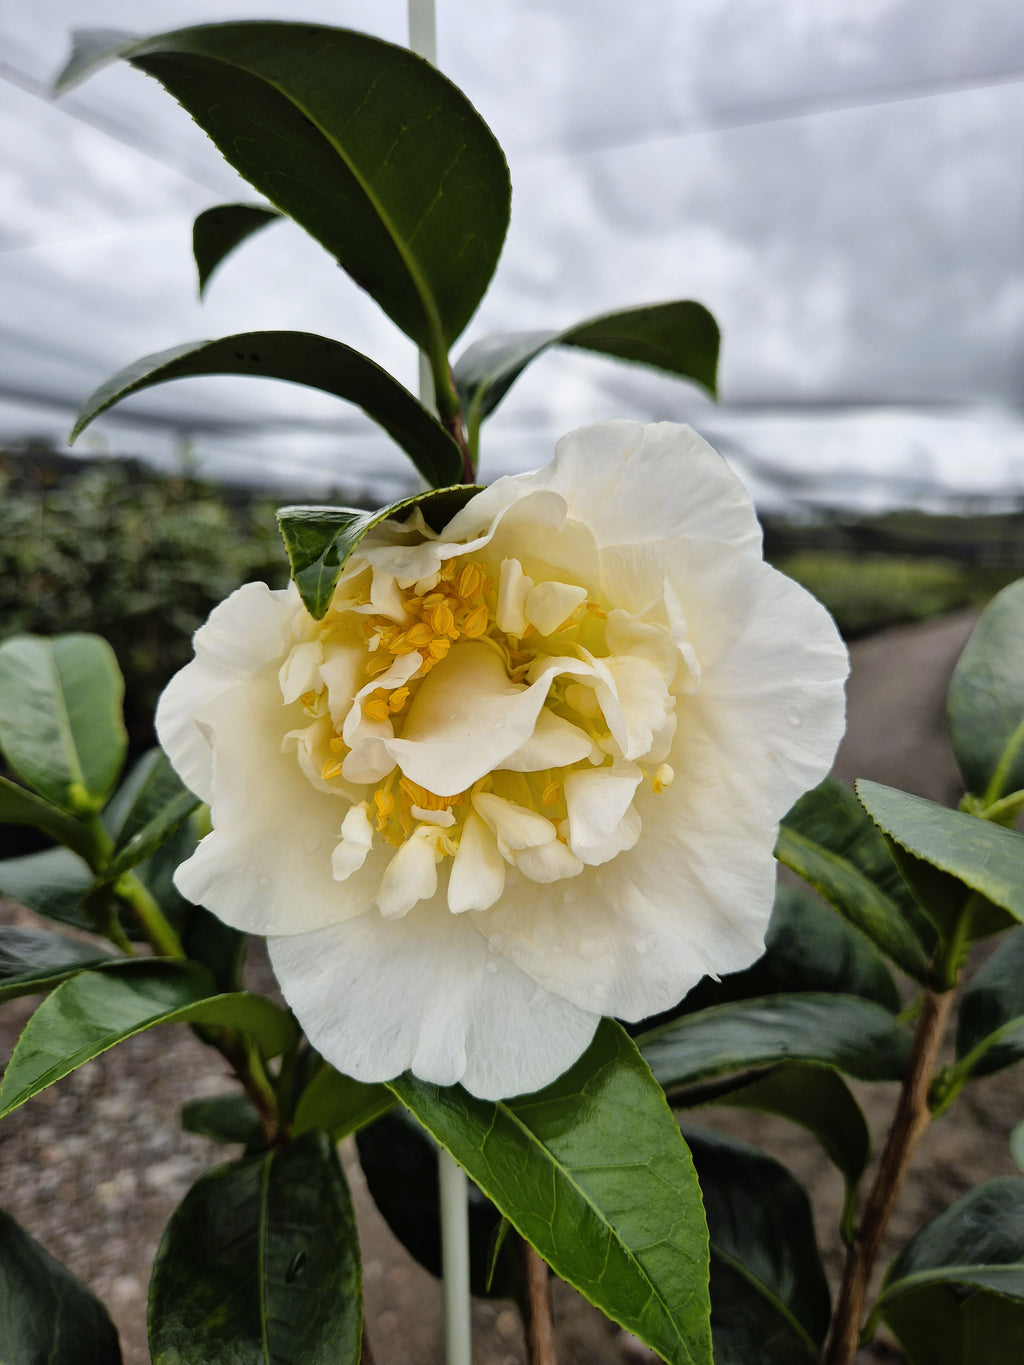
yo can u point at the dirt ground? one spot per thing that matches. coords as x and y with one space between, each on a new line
94 1166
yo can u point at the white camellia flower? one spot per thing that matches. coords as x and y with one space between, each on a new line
523 774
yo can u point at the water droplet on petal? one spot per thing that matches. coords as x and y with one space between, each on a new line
795 719
312 842
595 991
569 896
495 943
499 725
264 882
454 715
403 562
492 966
643 945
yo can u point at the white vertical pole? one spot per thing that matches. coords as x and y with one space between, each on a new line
454 1194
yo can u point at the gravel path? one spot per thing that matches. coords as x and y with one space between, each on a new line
94 1166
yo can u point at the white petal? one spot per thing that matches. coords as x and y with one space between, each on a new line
266 867
598 801
514 587
549 604
411 875
300 671
245 632
478 870
555 743
342 672
632 483
515 827
551 862
378 997
644 701
466 720
356 842
444 818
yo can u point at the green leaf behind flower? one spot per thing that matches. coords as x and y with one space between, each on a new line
217 231
46 1315
983 856
34 960
990 1023
321 540
60 717
298 358
955 1295
841 1031
594 1173
814 1097
260 1263
986 699
339 1104
224 1118
95 1010
829 841
769 1296
680 337
368 147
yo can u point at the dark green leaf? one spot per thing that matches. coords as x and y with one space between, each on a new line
225 1118
769 1296
33 960
990 1025
986 699
320 540
298 358
816 1098
97 1009
827 839
593 1172
365 145
984 856
53 883
338 1104
1017 1146
260 1264
679 337
955 1296
21 807
218 946
60 717
399 1160
47 1317
160 806
216 232
807 948
840 1031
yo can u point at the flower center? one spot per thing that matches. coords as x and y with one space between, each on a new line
368 665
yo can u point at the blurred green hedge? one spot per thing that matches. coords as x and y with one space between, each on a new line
138 558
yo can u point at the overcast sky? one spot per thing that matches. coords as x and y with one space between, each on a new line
840 181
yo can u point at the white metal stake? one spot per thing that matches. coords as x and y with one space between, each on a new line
453 1190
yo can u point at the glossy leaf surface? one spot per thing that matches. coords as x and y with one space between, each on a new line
955 1296
218 231
225 1118
814 1097
399 1161
986 699
680 337
827 839
990 1024
320 540
21 807
984 856
593 1172
260 1264
298 358
97 1009
53 883
769 1296
160 805
369 148
339 1104
34 960
841 1031
60 717
47 1317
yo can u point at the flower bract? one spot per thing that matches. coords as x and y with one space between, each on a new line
524 773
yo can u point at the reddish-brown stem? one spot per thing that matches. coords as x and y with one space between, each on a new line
909 1122
455 429
539 1322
